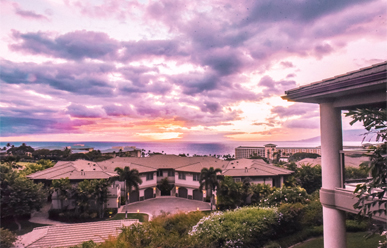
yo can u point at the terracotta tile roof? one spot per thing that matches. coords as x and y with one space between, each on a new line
72 234
82 175
253 167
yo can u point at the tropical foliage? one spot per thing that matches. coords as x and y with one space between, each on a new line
19 195
286 195
375 122
62 187
307 176
242 227
209 180
131 177
7 238
40 165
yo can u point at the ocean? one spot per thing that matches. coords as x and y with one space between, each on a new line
174 147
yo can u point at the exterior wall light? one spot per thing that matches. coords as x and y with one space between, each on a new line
138 210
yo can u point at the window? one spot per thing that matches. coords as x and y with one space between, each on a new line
196 176
238 179
182 175
159 173
149 176
171 173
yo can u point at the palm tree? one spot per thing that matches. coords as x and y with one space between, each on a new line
62 187
210 180
131 177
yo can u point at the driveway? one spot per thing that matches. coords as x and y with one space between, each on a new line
157 206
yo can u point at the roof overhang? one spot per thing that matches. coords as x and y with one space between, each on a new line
360 88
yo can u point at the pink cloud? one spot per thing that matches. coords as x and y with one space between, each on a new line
28 14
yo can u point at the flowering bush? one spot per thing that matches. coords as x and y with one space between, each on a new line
163 231
242 227
286 195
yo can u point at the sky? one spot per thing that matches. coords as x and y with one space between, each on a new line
117 70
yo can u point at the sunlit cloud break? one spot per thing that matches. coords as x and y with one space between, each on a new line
176 70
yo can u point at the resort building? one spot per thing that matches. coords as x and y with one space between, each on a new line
363 88
270 150
182 174
125 151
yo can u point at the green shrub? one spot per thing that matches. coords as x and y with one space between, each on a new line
163 231
242 227
355 173
292 214
7 238
356 226
71 215
286 195
296 237
312 215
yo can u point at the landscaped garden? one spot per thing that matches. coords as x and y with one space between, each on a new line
279 218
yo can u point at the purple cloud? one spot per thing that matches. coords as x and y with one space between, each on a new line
272 87
309 123
287 64
13 126
296 109
80 111
28 14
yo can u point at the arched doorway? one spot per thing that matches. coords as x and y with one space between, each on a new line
134 196
183 192
197 195
148 193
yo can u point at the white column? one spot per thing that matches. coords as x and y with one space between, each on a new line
331 144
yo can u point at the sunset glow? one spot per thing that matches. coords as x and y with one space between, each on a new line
117 70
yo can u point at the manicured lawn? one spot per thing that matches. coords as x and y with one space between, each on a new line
25 225
354 240
138 216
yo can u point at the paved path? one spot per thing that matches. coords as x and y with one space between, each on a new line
157 206
41 217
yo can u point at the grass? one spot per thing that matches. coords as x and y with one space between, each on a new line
138 216
354 240
26 226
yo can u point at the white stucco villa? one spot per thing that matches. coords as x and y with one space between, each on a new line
182 172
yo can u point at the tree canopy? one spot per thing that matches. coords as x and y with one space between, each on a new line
375 122
19 195
131 177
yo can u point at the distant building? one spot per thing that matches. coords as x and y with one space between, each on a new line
249 151
270 150
81 148
125 151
